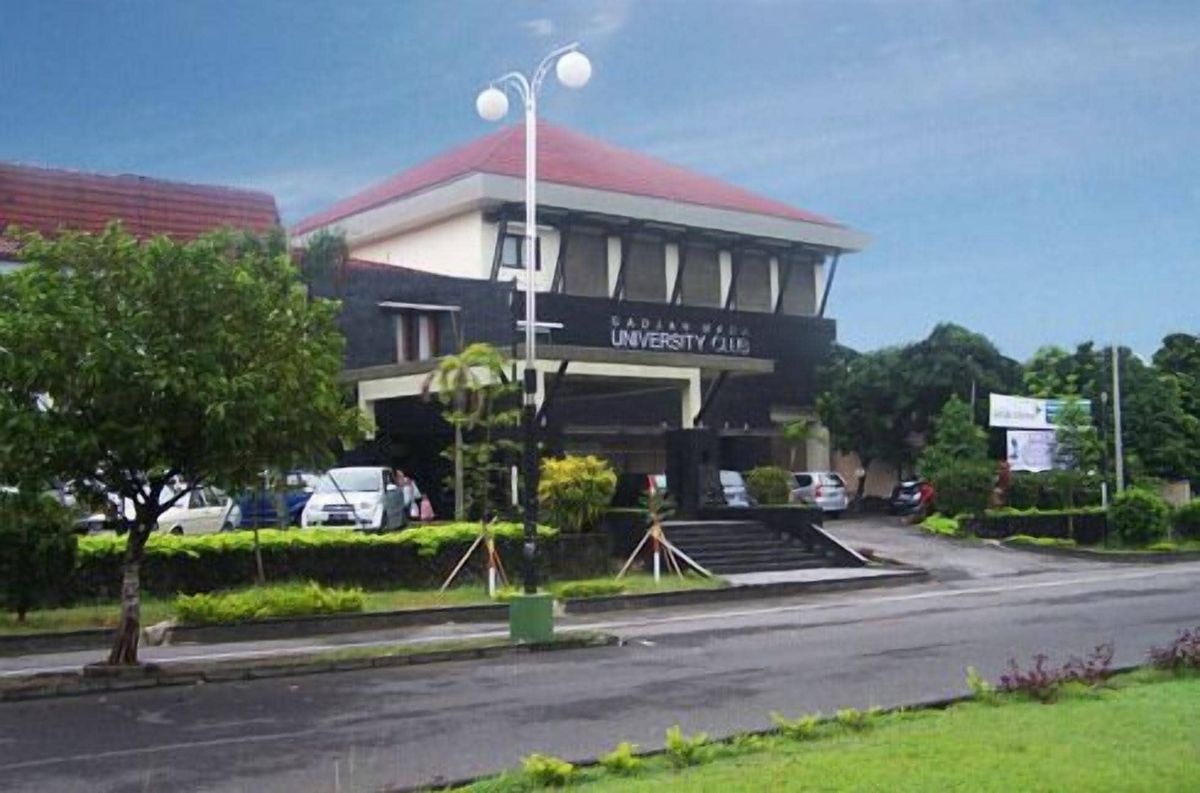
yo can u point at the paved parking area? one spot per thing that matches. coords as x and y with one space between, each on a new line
948 559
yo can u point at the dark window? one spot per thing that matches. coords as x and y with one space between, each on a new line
416 336
512 252
803 480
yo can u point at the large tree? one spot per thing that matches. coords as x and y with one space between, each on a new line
1179 356
149 369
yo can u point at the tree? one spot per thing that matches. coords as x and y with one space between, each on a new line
795 435
37 551
150 369
1077 445
956 440
472 386
1179 355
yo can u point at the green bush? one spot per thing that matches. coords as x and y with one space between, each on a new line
769 484
856 720
966 487
37 552
576 490
260 603
684 750
1187 521
589 589
940 524
622 760
804 728
1025 491
547 771
1139 517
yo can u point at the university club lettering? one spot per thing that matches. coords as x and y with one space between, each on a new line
669 335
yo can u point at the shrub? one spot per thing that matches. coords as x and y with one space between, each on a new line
1139 517
965 487
980 688
684 750
1183 653
856 720
1043 683
286 600
37 552
622 760
801 729
1187 521
548 771
769 484
1025 491
575 490
940 524
589 589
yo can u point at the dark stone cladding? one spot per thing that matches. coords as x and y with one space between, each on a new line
797 345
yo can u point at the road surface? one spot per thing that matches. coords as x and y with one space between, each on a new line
719 670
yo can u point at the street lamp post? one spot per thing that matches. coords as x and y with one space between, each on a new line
573 70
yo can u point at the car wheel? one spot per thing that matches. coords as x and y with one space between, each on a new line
227 527
835 515
383 522
177 531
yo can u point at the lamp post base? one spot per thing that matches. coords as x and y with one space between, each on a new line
531 618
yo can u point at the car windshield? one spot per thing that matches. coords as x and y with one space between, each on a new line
359 480
834 480
731 479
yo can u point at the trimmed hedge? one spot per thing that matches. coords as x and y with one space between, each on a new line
966 487
1187 521
260 603
1140 517
417 558
769 484
1048 490
1090 524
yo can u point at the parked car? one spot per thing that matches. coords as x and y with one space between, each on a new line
906 497
259 507
206 510
826 489
733 485
364 498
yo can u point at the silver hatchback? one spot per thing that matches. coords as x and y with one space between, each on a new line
826 489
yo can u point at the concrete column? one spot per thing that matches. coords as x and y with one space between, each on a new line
774 273
367 406
671 251
818 285
725 267
689 403
614 262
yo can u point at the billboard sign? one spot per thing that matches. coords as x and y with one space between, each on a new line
1031 450
1026 413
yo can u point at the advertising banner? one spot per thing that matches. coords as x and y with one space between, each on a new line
1031 450
1026 413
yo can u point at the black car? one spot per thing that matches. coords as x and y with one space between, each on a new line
906 497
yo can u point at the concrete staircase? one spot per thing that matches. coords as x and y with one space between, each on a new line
745 546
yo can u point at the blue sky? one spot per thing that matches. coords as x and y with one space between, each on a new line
1027 169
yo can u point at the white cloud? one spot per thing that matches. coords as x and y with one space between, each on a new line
609 20
541 27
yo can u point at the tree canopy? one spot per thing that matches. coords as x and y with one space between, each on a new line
128 365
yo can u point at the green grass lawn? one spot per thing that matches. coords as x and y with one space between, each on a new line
157 609
1137 736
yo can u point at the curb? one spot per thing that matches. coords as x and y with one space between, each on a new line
1123 557
305 627
92 680
691 597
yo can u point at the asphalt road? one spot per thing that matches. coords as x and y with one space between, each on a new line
716 670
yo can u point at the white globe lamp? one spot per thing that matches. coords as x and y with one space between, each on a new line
491 104
574 69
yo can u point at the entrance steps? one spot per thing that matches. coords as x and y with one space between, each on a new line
739 546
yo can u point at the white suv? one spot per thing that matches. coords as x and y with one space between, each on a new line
826 489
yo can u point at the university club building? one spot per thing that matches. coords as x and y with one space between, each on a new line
667 300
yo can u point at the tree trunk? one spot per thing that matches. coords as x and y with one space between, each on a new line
460 510
865 462
129 629
258 563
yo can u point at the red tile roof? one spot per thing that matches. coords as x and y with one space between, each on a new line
48 200
564 157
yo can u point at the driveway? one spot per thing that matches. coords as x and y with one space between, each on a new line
948 559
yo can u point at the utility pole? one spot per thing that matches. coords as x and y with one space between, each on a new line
1118 449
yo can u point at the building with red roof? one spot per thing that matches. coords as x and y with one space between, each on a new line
669 299
49 200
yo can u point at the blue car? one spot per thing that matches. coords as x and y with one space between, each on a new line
259 507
